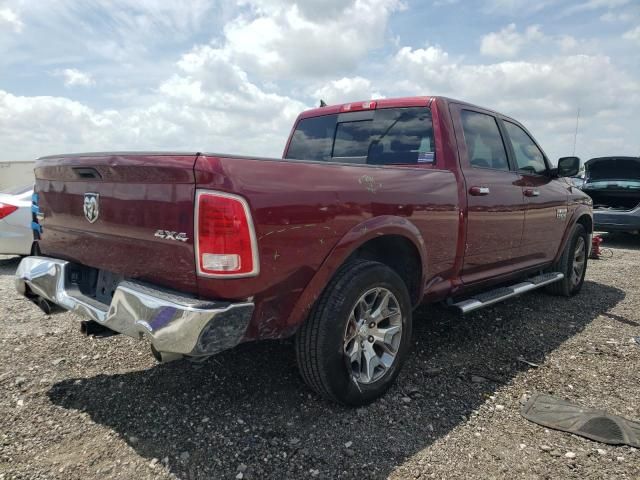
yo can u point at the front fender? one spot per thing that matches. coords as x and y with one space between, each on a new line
349 243
580 209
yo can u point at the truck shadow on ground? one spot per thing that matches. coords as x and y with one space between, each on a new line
249 405
8 265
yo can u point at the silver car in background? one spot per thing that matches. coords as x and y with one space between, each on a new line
16 235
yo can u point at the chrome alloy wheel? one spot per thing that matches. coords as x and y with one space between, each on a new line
372 335
579 262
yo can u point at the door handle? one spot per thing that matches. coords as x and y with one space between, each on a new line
530 192
479 191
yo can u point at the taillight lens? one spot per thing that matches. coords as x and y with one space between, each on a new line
6 209
226 243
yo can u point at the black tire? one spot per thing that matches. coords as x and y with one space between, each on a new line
320 341
570 285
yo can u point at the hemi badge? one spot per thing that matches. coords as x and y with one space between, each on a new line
561 213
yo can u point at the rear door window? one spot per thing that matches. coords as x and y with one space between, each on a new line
529 157
313 138
352 139
482 137
388 136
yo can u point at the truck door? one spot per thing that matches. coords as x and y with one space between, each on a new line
546 216
495 207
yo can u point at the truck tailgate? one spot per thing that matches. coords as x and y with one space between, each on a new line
136 195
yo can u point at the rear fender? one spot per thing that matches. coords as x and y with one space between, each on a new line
349 243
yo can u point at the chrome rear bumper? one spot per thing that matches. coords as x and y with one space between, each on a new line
174 323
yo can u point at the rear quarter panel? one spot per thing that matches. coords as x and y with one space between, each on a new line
304 211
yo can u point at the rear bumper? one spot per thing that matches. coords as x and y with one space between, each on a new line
174 323
617 221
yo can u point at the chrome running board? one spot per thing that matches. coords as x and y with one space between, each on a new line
490 297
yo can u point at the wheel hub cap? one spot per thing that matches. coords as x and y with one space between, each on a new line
373 334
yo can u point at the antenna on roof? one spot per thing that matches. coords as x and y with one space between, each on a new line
575 135
323 103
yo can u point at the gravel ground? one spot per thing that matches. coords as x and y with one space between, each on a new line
79 408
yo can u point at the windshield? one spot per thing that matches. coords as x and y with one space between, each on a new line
378 137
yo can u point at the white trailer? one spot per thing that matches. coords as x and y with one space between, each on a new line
15 174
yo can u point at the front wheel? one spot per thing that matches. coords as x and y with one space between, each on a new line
352 346
572 263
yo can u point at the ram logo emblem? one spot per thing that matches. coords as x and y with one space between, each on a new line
91 207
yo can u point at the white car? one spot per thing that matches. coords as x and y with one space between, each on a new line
16 235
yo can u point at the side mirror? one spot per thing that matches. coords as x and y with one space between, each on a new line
568 167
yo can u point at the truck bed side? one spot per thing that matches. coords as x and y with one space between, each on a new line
302 211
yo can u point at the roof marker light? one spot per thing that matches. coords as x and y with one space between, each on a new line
358 106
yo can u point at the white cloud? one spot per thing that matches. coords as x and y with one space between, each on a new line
33 126
544 94
259 62
516 7
220 96
75 78
444 3
122 32
317 10
10 18
507 42
567 43
210 80
432 55
592 5
346 89
613 17
596 4
633 34
281 38
208 105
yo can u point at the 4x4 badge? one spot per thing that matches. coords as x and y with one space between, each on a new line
167 235
91 207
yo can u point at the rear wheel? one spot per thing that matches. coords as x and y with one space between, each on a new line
355 340
572 263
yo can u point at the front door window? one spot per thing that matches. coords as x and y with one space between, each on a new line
528 156
484 142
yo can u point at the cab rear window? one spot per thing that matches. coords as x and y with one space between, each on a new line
379 137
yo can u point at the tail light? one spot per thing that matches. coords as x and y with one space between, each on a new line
225 238
6 209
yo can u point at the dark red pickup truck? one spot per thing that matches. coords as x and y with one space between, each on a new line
375 207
